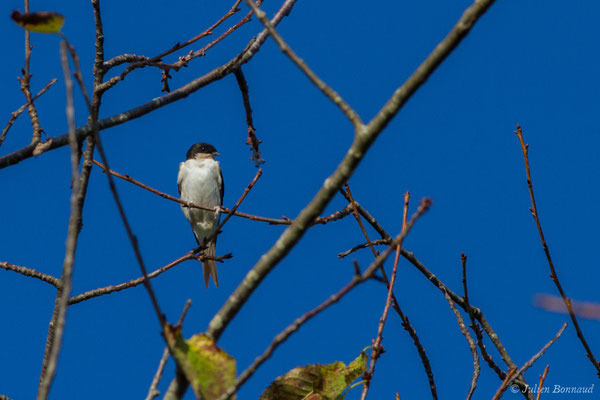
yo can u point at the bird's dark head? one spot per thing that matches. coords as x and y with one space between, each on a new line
201 150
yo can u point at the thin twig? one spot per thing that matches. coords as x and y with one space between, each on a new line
437 56
367 216
377 348
53 341
472 345
272 221
252 140
129 284
357 216
474 325
553 274
207 32
132 238
511 377
541 384
15 114
31 272
238 203
300 63
153 391
57 323
364 246
25 87
477 313
142 61
512 372
356 280
358 210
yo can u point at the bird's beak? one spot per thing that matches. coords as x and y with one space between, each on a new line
215 154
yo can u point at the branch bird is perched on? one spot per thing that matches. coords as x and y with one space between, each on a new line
200 182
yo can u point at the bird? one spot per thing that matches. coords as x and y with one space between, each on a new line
200 181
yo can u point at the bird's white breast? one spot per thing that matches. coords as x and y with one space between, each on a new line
200 183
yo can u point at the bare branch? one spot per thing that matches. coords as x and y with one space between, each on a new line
57 322
553 274
31 272
367 216
15 114
25 88
541 384
474 325
472 345
437 56
252 140
137 61
132 239
405 321
364 246
377 348
323 87
512 375
132 283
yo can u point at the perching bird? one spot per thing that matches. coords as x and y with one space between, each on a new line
200 182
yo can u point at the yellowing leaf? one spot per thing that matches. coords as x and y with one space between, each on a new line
209 369
42 21
316 381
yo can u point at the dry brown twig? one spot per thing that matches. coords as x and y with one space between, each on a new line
377 348
252 140
25 87
79 190
15 114
541 384
31 273
405 321
553 274
514 373
318 82
136 61
474 325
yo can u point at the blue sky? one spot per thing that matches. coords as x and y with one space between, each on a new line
529 63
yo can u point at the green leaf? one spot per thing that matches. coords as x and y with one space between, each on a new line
209 369
316 381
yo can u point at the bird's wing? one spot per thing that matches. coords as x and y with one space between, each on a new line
221 185
179 179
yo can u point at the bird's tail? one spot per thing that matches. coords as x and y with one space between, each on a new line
210 266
